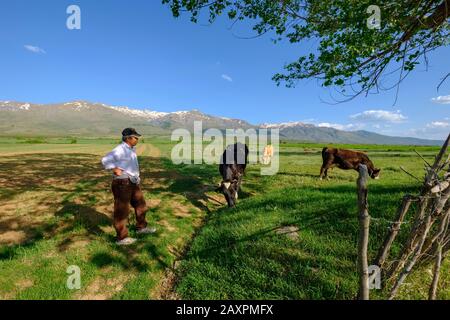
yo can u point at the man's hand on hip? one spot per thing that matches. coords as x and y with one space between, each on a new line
117 171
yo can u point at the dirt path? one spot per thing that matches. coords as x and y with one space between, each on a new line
148 150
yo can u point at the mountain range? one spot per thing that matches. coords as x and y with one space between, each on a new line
82 118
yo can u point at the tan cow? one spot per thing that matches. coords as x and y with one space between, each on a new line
267 154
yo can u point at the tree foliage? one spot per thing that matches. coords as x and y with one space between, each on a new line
349 54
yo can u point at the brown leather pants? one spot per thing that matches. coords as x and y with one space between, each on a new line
126 194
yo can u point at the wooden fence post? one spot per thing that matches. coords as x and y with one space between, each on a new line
364 221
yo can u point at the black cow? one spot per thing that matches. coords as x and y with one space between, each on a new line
232 168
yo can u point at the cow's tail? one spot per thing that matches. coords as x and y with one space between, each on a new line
323 152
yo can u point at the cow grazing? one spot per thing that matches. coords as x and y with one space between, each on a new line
267 154
232 167
346 159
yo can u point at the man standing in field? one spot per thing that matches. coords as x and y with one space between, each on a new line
123 162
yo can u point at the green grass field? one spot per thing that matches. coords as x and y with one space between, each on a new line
291 236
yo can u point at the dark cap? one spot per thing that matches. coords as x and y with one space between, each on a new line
130 132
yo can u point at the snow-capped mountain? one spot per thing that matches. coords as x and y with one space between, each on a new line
285 125
80 117
14 106
181 119
98 119
146 114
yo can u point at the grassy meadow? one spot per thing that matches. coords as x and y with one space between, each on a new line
291 236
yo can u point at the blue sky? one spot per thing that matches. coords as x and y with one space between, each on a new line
134 53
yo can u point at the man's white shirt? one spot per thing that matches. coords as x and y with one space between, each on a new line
123 157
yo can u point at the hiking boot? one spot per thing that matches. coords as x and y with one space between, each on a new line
146 230
126 241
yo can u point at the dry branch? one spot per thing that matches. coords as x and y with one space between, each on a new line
443 227
424 241
393 231
407 270
409 245
433 170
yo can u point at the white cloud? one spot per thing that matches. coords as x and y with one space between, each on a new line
227 77
441 99
34 49
433 130
379 116
438 124
338 126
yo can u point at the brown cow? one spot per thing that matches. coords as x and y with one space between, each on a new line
346 159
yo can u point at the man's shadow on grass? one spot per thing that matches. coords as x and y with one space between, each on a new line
81 215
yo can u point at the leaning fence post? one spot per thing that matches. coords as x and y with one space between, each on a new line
364 221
